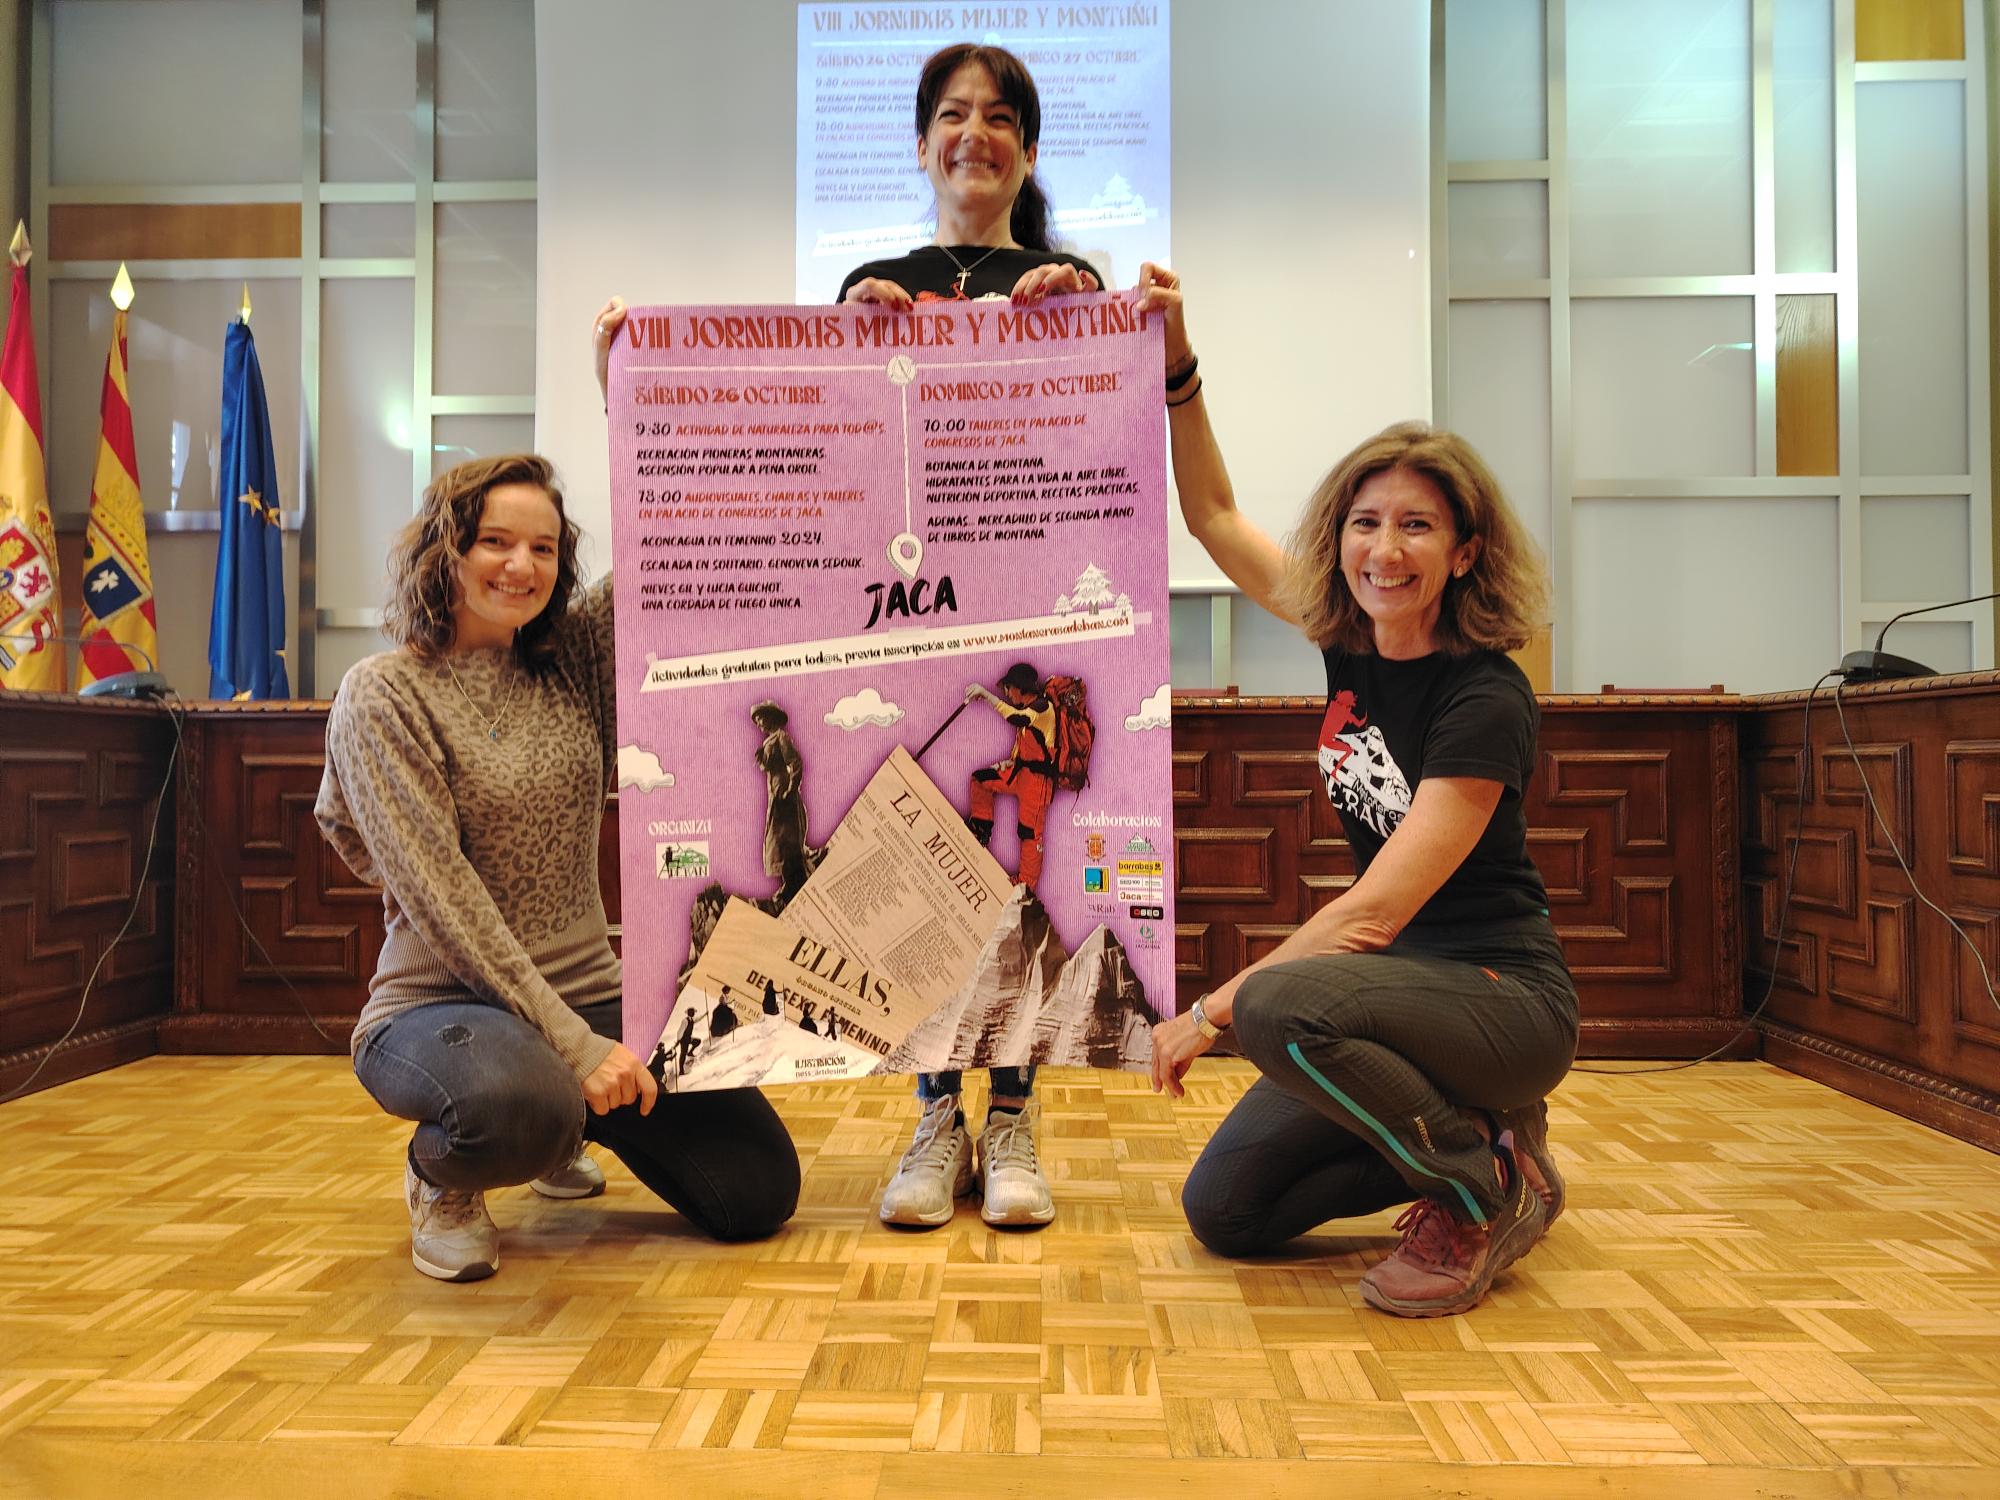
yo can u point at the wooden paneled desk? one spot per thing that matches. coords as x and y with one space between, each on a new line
1656 821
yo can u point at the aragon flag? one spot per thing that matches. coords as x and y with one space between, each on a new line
30 608
246 626
117 574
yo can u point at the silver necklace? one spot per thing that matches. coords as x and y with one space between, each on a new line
493 724
964 271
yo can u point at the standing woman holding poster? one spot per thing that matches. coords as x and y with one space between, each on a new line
1410 1031
466 772
978 121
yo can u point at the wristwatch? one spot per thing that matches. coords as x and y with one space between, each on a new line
1199 1013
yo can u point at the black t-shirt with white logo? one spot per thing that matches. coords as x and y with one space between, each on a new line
1389 724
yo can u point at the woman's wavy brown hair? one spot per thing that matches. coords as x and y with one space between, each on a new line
423 563
1501 601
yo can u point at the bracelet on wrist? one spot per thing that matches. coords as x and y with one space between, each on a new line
1180 375
1193 392
1199 1013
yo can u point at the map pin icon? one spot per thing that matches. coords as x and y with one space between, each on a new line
907 554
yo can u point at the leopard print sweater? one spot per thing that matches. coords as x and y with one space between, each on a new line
476 805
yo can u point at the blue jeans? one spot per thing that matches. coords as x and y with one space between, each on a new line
495 1106
1008 1083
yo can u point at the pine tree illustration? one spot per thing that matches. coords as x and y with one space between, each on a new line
1093 588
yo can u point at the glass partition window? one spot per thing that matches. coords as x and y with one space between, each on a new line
141 94
1667 586
367 130
1802 134
1733 326
1909 156
391 270
1499 103
1659 138
484 343
485 89
1665 387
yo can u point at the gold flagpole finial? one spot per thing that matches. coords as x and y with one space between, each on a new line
18 249
121 289
244 311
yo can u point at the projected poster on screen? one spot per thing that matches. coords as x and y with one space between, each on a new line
1102 72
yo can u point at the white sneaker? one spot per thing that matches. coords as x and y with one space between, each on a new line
1013 1189
935 1171
578 1178
451 1235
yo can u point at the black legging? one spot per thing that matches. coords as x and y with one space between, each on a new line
1371 1062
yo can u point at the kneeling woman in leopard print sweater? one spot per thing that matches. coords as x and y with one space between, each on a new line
466 772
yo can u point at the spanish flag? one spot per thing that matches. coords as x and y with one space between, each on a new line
30 611
117 576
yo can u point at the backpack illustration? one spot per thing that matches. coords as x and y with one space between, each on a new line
1075 733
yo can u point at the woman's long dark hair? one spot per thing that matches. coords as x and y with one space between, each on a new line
1029 223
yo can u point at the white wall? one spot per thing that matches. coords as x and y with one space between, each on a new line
13 120
1300 187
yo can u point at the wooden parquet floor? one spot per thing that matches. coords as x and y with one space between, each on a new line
205 1288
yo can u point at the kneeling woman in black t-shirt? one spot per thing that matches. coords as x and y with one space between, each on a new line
1410 1031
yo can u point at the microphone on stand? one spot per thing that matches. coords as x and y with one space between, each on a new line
148 684
1883 666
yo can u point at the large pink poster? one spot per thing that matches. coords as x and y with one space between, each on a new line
892 635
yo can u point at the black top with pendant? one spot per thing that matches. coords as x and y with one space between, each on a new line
932 275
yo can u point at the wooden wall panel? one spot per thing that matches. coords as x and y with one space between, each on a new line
1622 816
1622 823
1665 883
278 936
1909 31
80 788
1808 386
1632 823
173 231
1873 991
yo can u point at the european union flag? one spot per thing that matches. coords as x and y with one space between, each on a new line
246 629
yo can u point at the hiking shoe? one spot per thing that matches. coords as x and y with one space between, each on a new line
580 1177
1531 1138
1445 1264
935 1171
451 1235
1012 1187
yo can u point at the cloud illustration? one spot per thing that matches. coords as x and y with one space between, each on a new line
1154 713
641 769
864 707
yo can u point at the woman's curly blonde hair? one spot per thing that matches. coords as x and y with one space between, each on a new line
423 563
1502 599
